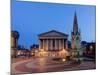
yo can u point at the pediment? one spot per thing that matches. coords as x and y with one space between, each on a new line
53 33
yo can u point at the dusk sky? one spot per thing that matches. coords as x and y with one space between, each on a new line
33 18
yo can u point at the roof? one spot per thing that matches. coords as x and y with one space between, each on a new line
53 33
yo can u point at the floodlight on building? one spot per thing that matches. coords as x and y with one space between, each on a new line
42 50
36 51
63 60
63 49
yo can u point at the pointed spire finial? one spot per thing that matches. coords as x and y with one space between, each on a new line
75 23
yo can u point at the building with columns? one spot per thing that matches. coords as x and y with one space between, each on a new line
53 40
53 43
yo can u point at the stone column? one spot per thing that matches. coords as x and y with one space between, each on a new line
55 44
51 45
59 44
63 43
66 42
47 44
39 44
43 44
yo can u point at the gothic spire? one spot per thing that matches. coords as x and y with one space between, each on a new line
75 24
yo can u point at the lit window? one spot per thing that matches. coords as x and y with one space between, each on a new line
91 47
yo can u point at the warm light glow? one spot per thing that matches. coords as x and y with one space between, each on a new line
63 50
18 53
42 50
63 60
32 53
42 53
91 47
42 59
63 53
36 50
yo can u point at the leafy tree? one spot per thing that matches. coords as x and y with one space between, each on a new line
83 43
69 44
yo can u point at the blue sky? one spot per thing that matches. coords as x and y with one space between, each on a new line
33 18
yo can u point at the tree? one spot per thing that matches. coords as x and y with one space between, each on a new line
34 46
83 43
21 47
69 44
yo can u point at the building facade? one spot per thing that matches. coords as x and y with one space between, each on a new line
90 50
52 44
24 53
14 42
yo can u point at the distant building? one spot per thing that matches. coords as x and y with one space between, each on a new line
90 50
23 53
14 42
52 44
34 47
75 35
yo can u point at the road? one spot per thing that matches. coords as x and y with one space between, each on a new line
39 65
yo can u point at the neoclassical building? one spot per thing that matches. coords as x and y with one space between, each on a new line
53 40
52 44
